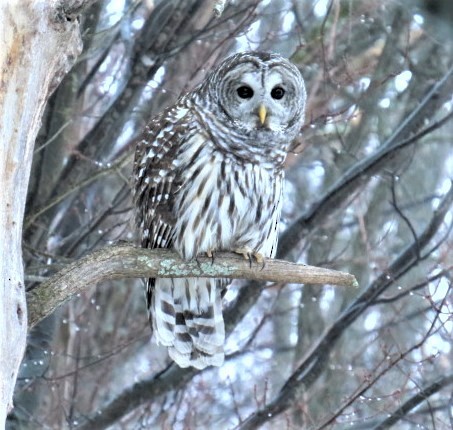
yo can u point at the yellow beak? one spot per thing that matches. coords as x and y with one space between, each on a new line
262 112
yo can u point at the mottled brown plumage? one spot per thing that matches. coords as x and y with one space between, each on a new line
208 177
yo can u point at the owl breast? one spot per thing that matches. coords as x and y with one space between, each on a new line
224 203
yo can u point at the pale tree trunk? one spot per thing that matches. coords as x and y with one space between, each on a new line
39 42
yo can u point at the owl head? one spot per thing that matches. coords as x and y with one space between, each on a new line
259 93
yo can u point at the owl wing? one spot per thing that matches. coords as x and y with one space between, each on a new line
185 314
157 177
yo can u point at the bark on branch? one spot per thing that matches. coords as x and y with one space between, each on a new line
125 261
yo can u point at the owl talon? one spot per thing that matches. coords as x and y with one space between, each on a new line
248 253
210 253
249 256
259 258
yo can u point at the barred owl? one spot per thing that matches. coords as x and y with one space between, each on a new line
209 177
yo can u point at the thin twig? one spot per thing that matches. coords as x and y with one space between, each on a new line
360 172
317 358
402 215
122 162
411 403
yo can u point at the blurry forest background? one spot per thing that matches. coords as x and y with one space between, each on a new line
369 192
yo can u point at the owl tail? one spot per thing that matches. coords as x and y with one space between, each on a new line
187 318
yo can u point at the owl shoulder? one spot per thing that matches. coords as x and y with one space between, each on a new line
163 134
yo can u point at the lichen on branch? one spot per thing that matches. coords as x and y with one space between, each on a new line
125 261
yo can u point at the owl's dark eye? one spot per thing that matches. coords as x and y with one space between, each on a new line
245 92
277 93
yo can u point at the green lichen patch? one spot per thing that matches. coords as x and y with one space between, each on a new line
168 267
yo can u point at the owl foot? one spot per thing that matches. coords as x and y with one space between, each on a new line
210 253
248 253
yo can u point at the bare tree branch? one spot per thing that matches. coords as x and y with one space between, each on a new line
122 161
387 363
415 400
362 171
317 358
171 378
124 261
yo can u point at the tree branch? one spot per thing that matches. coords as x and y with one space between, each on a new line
317 357
139 393
125 261
414 401
363 170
